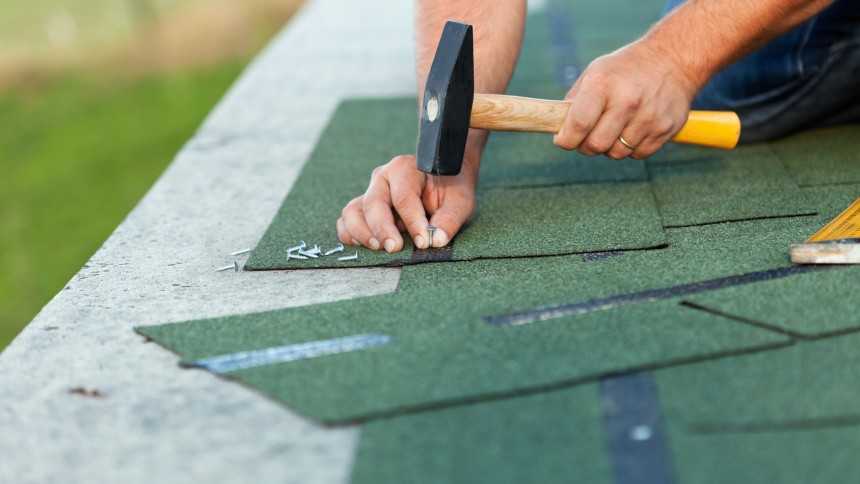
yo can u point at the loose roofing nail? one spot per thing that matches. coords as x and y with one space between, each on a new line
308 253
234 266
338 248
298 247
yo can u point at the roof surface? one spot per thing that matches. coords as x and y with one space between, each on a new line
681 344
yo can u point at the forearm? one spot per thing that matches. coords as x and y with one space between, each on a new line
704 36
498 30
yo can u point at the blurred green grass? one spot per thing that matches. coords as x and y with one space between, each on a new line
76 154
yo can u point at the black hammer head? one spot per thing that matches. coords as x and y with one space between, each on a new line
447 103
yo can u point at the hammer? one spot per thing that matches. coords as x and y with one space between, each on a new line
451 107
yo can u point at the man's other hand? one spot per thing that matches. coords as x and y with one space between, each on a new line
636 93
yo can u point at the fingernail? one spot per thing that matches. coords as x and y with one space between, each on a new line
355 241
374 244
419 242
440 238
389 245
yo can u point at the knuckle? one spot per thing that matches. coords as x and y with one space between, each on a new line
401 160
599 77
344 237
661 131
410 221
631 101
400 199
644 154
667 127
645 150
414 226
615 155
580 124
565 143
648 117
367 209
376 228
350 208
596 145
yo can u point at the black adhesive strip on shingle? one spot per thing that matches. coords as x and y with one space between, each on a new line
436 254
583 307
564 46
633 424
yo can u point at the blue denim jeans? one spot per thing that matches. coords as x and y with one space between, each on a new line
808 77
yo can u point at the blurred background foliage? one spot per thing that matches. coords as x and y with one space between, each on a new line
96 97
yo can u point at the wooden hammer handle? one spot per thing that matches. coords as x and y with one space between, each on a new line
496 112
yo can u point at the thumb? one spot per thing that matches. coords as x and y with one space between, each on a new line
448 220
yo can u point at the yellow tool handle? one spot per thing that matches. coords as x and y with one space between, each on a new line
496 112
717 129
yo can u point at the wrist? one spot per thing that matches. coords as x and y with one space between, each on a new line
691 73
700 38
472 155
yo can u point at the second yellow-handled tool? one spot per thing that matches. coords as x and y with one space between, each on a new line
451 107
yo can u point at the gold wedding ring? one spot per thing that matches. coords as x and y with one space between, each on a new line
625 143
